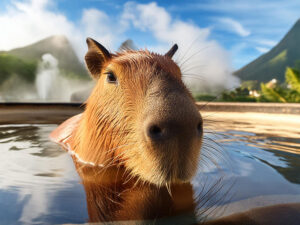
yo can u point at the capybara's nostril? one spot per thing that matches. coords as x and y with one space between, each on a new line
154 132
200 128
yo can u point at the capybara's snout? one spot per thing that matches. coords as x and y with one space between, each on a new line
170 113
175 123
172 130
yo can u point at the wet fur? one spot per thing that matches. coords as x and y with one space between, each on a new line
108 132
105 135
115 200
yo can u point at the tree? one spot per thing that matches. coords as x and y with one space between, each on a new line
292 77
272 94
10 65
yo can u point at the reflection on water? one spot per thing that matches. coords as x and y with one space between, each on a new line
37 179
115 196
39 182
282 154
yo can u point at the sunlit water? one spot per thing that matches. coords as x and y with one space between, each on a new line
39 183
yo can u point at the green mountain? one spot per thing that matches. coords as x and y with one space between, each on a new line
11 66
15 61
274 63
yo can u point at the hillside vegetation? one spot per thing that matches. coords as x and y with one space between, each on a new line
287 92
252 91
23 61
273 63
272 77
272 91
11 65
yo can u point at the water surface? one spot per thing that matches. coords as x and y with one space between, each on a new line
39 183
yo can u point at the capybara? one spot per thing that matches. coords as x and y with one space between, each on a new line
139 116
137 144
111 199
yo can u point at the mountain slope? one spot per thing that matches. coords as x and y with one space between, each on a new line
273 63
59 47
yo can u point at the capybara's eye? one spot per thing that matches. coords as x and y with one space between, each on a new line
111 77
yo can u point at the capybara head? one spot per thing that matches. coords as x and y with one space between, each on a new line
139 116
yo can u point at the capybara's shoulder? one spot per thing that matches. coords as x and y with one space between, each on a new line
63 132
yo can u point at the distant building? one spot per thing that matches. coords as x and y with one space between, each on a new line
272 83
254 93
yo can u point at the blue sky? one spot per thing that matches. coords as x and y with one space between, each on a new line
244 29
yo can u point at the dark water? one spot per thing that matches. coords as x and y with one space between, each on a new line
39 183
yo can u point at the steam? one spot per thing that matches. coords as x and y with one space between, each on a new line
50 85
46 77
201 73
205 65
53 86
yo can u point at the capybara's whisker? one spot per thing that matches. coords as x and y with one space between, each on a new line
194 54
121 146
132 119
193 77
181 57
192 68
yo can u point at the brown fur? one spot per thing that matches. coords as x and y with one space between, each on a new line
112 198
111 131
111 134
109 198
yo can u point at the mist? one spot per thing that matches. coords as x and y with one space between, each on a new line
206 65
47 75
50 85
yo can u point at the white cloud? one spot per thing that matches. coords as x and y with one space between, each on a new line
266 42
234 26
27 22
256 10
30 21
203 60
266 18
262 49
264 45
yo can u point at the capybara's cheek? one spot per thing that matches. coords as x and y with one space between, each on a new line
146 167
189 162
163 164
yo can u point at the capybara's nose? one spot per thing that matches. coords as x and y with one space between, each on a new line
155 132
159 131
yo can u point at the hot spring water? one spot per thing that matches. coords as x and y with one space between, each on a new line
39 184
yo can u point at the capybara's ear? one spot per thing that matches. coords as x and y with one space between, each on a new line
172 51
96 56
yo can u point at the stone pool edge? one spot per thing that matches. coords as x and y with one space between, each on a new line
55 113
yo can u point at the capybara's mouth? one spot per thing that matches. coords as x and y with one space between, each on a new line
162 166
